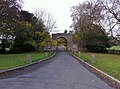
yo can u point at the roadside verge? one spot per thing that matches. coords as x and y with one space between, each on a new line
105 77
13 70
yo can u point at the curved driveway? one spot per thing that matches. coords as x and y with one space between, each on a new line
62 72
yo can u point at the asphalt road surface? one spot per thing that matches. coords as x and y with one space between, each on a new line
62 72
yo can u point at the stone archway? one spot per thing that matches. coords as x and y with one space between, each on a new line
68 37
62 43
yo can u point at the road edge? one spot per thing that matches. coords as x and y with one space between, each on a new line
104 76
9 71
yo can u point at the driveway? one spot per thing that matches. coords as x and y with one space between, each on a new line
61 72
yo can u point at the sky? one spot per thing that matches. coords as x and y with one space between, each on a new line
60 9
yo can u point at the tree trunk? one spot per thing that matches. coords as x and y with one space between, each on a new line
38 48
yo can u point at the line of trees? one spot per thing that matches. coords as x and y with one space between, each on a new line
22 31
96 22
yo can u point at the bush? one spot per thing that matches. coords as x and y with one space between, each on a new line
97 43
22 48
2 51
96 48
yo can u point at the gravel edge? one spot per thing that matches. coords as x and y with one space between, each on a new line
104 76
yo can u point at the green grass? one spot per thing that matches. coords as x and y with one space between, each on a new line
15 60
114 48
108 63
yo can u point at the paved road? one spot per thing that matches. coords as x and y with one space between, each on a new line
62 72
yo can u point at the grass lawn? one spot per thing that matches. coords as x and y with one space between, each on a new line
8 61
114 48
108 63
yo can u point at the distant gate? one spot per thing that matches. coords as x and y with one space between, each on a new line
68 37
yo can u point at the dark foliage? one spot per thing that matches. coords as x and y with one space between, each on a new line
97 43
22 48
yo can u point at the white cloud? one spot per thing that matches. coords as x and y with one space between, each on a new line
60 9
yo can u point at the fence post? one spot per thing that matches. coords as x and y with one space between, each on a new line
79 54
46 54
93 58
29 58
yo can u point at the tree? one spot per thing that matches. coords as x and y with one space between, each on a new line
22 28
112 7
86 18
46 18
28 17
111 11
33 30
77 38
9 18
62 41
10 14
97 40
45 23
54 43
65 31
38 34
23 35
4 44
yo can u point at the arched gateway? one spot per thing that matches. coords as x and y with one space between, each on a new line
68 37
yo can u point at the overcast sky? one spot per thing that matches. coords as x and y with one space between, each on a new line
60 9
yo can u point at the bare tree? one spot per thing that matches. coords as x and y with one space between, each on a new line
111 22
85 17
112 7
50 23
46 18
